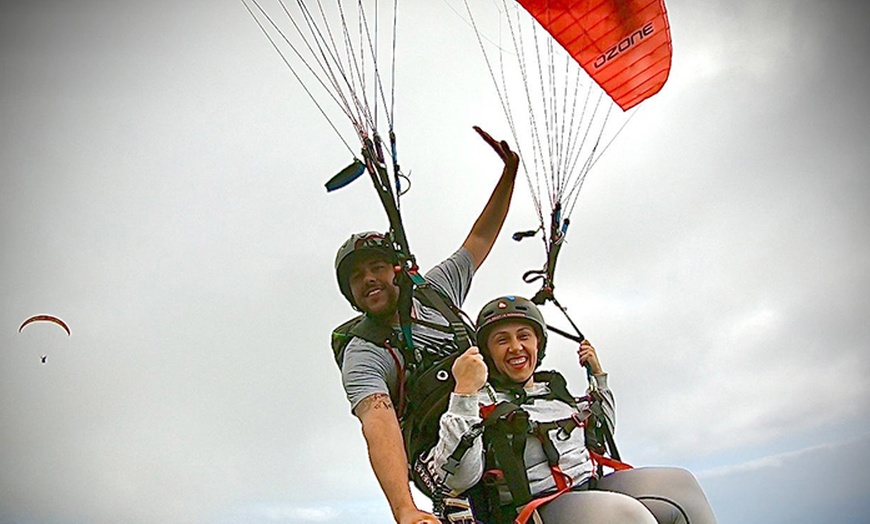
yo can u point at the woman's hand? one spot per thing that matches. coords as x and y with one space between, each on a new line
589 358
470 372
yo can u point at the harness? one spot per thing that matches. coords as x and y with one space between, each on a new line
425 379
503 495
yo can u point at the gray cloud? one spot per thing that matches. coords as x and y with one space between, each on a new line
162 193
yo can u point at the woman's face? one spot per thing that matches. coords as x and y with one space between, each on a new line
513 347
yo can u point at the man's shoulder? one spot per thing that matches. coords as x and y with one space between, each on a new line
452 276
461 258
361 344
357 335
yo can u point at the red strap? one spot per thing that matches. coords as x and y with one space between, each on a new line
563 482
400 409
614 464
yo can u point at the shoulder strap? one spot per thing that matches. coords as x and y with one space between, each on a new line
371 330
557 384
360 326
504 443
435 298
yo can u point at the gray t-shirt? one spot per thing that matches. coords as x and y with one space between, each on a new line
368 368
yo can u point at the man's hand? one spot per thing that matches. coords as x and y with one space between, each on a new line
470 372
510 158
383 436
415 516
487 226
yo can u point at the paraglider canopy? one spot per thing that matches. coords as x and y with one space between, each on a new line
45 318
624 45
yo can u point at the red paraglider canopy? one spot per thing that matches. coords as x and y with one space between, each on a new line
45 318
624 45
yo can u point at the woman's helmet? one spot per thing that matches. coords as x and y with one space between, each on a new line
511 308
357 246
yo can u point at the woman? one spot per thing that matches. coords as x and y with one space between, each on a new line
556 473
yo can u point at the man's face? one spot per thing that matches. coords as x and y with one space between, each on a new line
372 286
513 347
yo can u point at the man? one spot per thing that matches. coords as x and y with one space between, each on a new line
371 374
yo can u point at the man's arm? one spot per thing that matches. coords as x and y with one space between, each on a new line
380 427
487 226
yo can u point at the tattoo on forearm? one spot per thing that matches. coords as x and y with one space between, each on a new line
376 401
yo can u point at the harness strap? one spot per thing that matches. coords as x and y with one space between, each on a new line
558 386
563 481
550 450
603 427
509 444
565 427
447 330
614 464
400 410
490 415
465 443
436 300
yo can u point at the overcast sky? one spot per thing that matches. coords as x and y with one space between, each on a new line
162 179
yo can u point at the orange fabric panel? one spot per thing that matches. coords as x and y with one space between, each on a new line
624 45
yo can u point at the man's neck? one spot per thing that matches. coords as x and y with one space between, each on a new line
393 319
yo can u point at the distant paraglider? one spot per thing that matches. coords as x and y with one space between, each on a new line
45 318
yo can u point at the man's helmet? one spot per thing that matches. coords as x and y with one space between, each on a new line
357 246
511 308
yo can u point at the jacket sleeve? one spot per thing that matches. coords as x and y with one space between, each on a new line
608 403
462 413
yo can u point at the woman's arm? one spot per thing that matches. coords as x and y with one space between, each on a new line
461 416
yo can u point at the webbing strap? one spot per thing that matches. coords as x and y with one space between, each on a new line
508 444
603 426
616 465
373 155
490 415
542 431
563 485
461 333
400 409
563 482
